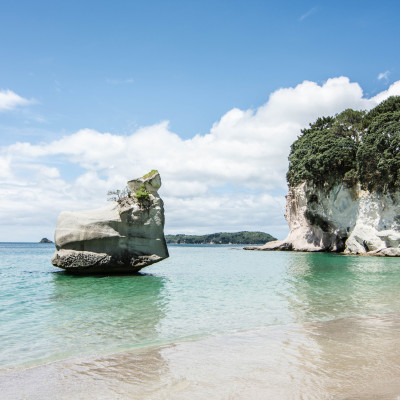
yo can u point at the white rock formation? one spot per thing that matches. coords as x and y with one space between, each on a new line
341 219
123 237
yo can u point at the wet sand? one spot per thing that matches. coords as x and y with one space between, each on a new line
348 358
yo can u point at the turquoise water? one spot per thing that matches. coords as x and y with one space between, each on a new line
46 314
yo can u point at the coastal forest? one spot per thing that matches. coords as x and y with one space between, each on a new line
350 147
221 238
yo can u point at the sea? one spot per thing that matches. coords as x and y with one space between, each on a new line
209 322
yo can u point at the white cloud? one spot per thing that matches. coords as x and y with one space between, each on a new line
384 75
5 171
394 90
10 100
232 178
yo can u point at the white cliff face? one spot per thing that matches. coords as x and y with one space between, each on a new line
377 229
341 219
123 237
320 220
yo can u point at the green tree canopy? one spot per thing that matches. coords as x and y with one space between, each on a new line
378 156
351 147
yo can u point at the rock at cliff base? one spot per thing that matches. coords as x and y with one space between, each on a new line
280 245
123 237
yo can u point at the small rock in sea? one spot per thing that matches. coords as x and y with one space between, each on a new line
45 240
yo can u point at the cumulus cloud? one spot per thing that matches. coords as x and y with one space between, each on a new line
232 178
394 90
10 100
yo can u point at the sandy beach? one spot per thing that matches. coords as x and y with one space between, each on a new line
348 358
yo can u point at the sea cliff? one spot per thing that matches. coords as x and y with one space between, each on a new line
341 219
344 184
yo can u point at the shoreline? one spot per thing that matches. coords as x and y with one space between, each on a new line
353 357
281 245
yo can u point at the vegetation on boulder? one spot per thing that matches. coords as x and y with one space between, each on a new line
351 147
149 174
142 195
118 195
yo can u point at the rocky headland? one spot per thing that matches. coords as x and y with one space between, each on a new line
344 185
123 237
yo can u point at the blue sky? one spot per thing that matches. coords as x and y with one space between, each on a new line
113 66
117 67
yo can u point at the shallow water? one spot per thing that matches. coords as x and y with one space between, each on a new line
258 322
347 358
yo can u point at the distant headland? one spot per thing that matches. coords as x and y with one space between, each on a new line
243 237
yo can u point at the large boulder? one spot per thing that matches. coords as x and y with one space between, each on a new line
123 237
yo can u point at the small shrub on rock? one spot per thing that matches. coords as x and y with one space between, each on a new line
142 195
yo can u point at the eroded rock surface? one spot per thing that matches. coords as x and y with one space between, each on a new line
341 219
123 237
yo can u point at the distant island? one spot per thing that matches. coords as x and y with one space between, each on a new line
221 238
45 240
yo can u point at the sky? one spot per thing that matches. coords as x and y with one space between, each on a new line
210 93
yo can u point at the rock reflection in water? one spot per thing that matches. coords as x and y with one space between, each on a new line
112 312
322 286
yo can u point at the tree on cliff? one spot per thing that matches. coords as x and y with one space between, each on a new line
378 157
326 151
351 147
